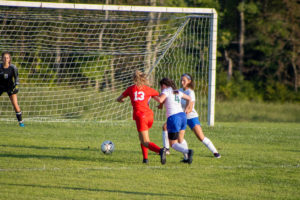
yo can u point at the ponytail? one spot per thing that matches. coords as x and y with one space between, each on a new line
169 83
140 78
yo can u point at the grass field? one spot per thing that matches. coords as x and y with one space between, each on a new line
63 161
247 111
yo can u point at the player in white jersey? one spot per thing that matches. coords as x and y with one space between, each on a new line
176 117
192 115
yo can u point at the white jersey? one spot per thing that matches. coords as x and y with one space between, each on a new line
172 102
191 94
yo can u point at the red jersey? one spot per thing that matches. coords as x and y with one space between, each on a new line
140 97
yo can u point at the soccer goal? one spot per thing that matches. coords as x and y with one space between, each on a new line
74 60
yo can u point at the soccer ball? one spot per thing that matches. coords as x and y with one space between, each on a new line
107 147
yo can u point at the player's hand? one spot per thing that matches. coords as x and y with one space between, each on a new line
120 99
160 106
188 110
16 89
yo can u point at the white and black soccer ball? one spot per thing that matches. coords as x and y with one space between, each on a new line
107 147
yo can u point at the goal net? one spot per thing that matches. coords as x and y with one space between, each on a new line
74 60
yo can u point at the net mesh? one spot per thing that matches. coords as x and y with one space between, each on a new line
73 64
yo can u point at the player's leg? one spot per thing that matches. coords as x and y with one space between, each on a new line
181 135
152 146
145 140
206 141
144 148
143 137
14 100
165 138
143 125
173 126
181 148
178 123
174 130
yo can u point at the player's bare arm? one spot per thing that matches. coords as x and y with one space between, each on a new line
160 99
188 107
121 98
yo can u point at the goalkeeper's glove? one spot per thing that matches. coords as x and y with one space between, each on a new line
16 89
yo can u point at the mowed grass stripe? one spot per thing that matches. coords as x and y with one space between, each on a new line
63 161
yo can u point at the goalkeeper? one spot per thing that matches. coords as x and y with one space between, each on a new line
9 81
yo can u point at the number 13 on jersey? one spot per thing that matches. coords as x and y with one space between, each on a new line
139 96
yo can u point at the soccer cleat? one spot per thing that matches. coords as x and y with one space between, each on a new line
217 155
168 151
190 156
162 154
145 161
184 161
21 124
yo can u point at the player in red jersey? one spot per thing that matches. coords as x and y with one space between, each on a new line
140 94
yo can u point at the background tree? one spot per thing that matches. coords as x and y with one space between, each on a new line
258 43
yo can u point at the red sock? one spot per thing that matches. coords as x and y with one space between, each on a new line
153 147
144 151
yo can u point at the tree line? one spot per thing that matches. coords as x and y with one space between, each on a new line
258 45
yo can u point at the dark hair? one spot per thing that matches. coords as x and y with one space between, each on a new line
188 76
168 82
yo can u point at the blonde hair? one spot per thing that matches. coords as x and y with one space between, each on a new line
140 78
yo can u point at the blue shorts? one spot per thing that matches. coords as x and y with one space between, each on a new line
176 123
193 122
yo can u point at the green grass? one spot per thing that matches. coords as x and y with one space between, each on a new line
63 161
246 111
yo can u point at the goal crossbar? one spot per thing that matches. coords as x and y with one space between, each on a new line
107 7
147 9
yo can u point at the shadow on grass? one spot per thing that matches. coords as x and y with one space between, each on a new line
67 148
97 190
54 157
39 147
92 157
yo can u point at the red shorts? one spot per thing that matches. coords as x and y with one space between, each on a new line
144 122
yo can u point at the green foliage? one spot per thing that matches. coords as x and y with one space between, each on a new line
239 89
175 3
203 3
276 91
225 38
235 88
271 61
270 45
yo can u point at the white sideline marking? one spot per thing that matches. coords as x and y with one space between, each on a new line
151 167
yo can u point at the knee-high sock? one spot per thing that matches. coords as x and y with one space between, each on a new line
185 145
179 147
19 116
209 145
153 147
165 139
144 151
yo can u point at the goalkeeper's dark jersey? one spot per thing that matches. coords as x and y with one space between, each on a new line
9 77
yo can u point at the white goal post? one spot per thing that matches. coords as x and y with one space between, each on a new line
75 59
